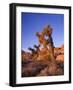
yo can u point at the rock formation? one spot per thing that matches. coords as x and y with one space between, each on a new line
25 55
59 53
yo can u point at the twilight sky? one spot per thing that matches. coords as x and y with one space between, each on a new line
35 22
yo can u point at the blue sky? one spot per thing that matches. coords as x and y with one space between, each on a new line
35 22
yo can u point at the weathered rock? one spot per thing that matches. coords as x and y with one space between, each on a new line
60 58
26 55
59 50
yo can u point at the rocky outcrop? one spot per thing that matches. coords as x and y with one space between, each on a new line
60 58
26 55
59 53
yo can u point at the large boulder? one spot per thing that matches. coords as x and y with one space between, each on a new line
60 58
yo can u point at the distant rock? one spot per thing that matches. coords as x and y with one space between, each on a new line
60 58
59 53
26 55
